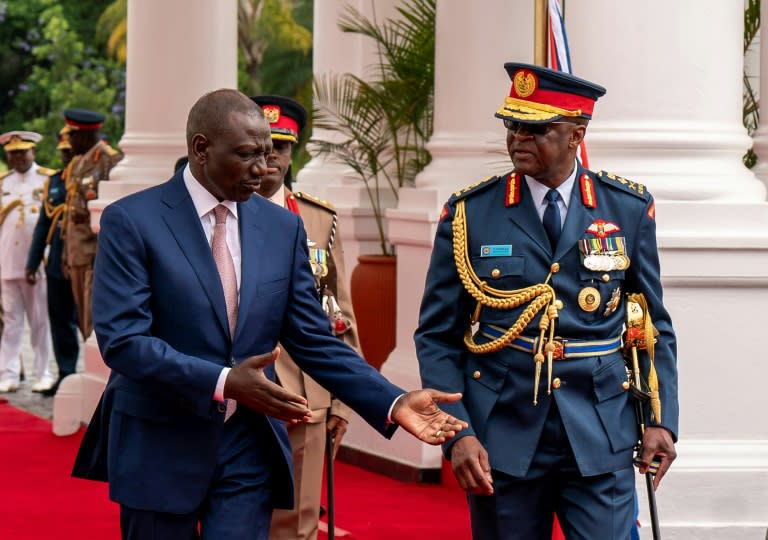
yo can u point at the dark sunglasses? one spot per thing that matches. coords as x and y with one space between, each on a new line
532 129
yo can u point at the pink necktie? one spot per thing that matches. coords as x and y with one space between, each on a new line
226 267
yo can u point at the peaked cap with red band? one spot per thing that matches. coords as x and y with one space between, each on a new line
286 117
83 119
540 95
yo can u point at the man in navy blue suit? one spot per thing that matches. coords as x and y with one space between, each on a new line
523 313
190 431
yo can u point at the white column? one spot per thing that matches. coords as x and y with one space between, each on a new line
760 137
672 116
177 51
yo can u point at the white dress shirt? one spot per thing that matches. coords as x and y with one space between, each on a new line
539 193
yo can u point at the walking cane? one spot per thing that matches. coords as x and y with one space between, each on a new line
637 336
329 484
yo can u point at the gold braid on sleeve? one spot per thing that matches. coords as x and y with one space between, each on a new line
537 296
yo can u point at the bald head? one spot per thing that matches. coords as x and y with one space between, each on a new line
211 112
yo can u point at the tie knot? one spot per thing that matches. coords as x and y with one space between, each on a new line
220 213
552 195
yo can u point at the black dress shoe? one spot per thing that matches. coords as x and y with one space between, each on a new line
52 390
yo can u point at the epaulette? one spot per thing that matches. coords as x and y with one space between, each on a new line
635 188
110 151
322 203
474 188
46 171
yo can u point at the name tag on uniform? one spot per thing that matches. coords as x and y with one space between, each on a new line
498 250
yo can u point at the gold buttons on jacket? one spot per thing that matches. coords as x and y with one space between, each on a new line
559 304
606 278
556 383
625 385
555 268
476 375
495 273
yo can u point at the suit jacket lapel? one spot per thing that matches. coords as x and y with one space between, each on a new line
184 224
524 215
251 247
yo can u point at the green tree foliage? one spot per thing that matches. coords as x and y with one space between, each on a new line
112 30
57 68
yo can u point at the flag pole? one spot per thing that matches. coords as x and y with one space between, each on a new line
540 32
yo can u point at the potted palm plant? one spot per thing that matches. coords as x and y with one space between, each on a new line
380 125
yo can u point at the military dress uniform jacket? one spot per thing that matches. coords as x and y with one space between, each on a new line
591 392
83 176
48 228
19 209
320 224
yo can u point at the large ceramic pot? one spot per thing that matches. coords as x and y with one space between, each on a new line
374 298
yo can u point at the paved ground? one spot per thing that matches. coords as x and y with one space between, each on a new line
24 398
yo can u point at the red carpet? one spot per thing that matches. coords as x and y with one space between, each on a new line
40 501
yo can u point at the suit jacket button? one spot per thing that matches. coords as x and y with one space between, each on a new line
476 375
222 407
556 383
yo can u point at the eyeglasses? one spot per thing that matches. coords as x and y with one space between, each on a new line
532 129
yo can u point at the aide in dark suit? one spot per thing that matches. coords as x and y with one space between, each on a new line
159 435
504 255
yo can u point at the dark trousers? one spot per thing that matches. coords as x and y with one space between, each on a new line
238 505
63 317
589 508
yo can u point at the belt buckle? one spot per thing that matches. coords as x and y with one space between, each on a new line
559 352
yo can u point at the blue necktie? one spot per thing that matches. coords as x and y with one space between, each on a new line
552 222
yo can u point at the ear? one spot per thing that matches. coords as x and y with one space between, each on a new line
577 135
200 145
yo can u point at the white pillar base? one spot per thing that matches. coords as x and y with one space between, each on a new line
79 393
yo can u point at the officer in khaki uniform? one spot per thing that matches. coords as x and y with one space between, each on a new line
61 305
523 312
92 161
286 119
22 191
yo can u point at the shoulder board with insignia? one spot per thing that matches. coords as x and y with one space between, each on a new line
110 151
322 203
46 171
635 188
474 188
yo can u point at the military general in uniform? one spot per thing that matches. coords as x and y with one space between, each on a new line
93 159
329 416
22 192
61 305
524 307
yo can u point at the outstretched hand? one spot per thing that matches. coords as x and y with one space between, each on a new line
418 413
248 385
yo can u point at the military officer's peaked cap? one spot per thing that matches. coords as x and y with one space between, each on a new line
83 119
286 116
541 95
19 140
